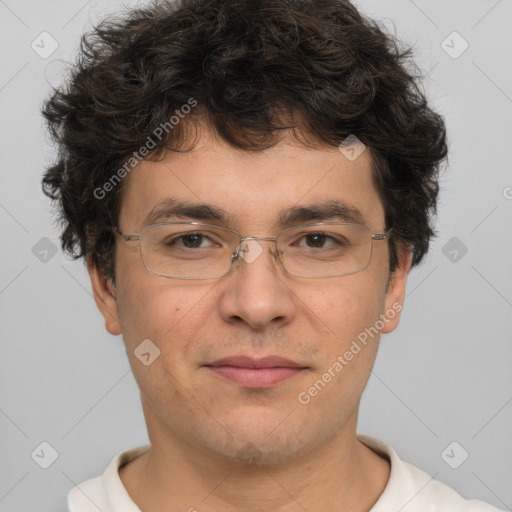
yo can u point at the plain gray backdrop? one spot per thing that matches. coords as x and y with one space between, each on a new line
441 389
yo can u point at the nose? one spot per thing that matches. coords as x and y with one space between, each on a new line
255 291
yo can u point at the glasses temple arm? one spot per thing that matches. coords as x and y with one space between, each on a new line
127 238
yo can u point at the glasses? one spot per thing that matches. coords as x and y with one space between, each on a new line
189 250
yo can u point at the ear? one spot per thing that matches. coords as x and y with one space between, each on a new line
395 294
105 298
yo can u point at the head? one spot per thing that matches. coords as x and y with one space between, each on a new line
241 106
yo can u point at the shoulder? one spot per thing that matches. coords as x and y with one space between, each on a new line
438 496
89 496
106 492
410 489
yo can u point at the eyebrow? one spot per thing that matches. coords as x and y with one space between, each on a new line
333 209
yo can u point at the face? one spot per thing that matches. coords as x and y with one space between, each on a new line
255 311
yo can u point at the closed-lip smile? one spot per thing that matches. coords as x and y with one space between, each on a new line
252 372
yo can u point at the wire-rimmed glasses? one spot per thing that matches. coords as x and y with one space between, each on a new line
191 250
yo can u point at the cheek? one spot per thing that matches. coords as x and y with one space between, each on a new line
347 313
169 320
344 308
348 352
147 307
170 313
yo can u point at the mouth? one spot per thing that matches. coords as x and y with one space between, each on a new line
256 373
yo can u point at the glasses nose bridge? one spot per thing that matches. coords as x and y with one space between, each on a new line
235 255
255 238
269 238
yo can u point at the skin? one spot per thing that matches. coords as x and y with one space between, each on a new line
198 423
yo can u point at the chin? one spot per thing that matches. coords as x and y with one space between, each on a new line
257 452
262 439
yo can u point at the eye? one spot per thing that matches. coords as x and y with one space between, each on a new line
318 240
190 241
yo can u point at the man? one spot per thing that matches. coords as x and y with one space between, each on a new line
250 183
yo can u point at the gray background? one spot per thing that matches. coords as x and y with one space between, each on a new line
443 376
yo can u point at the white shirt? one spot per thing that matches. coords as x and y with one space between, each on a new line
409 489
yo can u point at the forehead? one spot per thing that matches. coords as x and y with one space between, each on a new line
284 185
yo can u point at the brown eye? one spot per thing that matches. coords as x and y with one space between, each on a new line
316 239
189 241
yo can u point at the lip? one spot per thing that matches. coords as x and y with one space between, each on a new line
256 372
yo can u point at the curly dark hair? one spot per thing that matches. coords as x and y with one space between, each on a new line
254 68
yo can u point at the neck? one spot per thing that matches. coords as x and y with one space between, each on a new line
342 474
